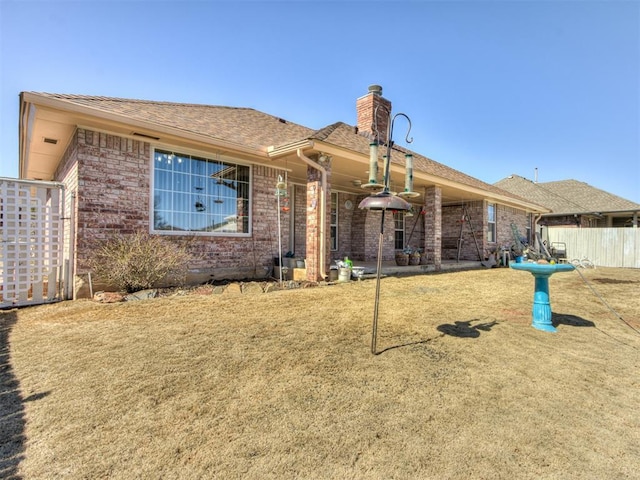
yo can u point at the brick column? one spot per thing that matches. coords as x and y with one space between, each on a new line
433 225
359 231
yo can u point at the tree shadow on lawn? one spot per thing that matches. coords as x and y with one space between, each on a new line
12 415
456 329
465 329
570 320
12 421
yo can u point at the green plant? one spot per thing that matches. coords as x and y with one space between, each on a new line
140 260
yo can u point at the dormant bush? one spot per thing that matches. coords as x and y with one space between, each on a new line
140 260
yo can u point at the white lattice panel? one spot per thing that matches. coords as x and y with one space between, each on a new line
31 244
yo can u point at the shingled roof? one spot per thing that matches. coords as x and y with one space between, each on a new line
255 130
345 136
244 126
567 196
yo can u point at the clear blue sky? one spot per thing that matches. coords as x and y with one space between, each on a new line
492 87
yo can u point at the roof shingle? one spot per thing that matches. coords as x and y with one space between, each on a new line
257 130
243 126
567 196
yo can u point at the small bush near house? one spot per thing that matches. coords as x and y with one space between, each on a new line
140 260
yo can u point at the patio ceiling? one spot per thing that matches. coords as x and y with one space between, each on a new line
347 169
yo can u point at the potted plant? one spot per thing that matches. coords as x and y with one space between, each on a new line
402 258
414 257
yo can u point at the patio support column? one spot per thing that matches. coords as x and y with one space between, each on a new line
433 225
317 201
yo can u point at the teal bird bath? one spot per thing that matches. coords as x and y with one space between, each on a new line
541 312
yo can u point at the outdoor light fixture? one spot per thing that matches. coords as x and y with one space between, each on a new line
385 200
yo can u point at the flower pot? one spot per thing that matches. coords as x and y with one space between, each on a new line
333 274
402 259
414 259
344 274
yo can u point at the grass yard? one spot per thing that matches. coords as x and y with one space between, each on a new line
283 385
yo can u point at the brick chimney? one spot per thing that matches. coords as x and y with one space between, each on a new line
366 106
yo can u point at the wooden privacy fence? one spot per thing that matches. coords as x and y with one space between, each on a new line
31 242
606 247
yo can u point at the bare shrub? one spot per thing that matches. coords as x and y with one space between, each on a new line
141 260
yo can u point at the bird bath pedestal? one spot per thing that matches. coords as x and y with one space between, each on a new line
541 312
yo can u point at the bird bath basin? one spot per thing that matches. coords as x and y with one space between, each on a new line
541 311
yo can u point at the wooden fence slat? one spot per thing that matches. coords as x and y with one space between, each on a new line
607 247
31 241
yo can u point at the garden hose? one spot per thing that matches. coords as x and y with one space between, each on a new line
605 303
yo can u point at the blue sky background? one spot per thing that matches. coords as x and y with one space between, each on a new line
492 87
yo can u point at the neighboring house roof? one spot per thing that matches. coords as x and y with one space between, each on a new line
245 128
567 196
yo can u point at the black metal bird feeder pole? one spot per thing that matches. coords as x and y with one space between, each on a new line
384 201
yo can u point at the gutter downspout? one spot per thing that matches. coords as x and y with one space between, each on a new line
323 207
535 226
71 271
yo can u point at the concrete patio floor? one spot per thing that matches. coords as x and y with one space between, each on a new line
391 269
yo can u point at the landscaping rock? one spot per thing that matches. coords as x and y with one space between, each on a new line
271 287
204 290
233 289
142 295
252 287
108 297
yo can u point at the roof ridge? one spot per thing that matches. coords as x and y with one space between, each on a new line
324 132
573 181
73 96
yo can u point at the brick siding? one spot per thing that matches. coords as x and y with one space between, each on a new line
433 225
505 216
110 178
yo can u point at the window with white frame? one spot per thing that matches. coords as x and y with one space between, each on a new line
491 222
199 195
334 220
398 221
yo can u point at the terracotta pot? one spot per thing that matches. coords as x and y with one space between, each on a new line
402 259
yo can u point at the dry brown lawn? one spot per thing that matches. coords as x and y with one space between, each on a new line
283 385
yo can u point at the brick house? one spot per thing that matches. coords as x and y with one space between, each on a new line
210 172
